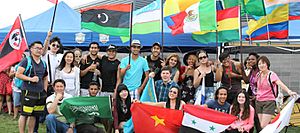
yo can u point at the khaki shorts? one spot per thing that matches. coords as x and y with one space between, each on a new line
265 107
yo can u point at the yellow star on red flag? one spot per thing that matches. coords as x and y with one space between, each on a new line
158 121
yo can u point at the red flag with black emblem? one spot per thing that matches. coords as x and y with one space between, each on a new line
13 46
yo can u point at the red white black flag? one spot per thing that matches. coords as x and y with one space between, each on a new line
13 46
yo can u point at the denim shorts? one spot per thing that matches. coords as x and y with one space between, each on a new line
209 93
17 98
265 107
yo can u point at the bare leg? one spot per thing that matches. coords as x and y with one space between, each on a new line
9 104
16 112
22 123
31 123
265 120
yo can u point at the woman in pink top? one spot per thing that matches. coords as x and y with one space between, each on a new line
265 98
244 111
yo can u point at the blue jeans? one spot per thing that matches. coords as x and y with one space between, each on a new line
209 93
55 126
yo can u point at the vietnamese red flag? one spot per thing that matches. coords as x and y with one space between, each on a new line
152 119
53 1
205 119
13 46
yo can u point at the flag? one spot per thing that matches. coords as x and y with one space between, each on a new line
53 1
294 10
228 21
200 100
208 120
282 119
200 16
152 119
148 95
254 7
107 19
172 7
13 45
277 20
97 106
147 19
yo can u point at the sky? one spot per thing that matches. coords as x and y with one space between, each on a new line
10 9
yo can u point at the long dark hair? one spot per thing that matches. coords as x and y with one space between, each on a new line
119 99
63 62
178 99
236 106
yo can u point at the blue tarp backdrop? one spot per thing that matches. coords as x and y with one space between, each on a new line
67 24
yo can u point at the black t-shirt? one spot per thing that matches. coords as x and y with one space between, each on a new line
86 79
155 66
109 71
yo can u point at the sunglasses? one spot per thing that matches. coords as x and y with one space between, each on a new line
136 46
203 57
55 45
174 92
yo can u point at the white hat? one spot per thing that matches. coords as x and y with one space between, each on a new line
136 42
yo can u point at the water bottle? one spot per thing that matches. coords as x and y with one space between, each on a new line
94 77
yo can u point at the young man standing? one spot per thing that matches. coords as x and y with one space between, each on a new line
35 82
109 71
132 71
90 69
55 121
154 61
163 86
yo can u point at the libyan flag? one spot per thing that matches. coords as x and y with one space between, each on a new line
107 19
152 119
90 106
13 46
205 119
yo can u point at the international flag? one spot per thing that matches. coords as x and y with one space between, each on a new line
53 1
152 119
228 21
108 19
282 119
86 106
205 119
148 95
253 7
13 45
200 100
172 7
277 18
200 16
294 10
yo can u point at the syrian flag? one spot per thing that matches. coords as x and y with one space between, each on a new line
53 1
281 120
208 120
13 46
200 100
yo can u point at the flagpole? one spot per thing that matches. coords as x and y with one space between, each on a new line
130 30
217 46
23 30
250 38
268 33
162 28
53 17
240 31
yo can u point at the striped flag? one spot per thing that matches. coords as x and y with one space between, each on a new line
281 120
208 120
200 16
200 100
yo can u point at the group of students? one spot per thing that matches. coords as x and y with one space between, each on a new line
175 85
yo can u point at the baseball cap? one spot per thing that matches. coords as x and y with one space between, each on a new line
136 42
111 47
156 44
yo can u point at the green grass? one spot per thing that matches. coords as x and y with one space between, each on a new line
8 125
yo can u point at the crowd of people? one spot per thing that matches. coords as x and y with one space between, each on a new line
49 76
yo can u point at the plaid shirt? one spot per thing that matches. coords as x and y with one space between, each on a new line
162 90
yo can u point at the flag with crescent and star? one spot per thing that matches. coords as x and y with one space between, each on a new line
107 19
152 119
13 46
199 118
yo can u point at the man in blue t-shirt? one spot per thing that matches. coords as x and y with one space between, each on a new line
219 103
132 70
33 88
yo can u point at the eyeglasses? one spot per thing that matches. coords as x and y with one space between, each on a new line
174 92
136 46
55 45
203 57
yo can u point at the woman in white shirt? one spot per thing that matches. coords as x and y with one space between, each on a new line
69 73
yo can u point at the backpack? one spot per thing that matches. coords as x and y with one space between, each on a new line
18 82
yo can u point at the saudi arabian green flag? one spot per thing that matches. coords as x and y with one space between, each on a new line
252 7
86 106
